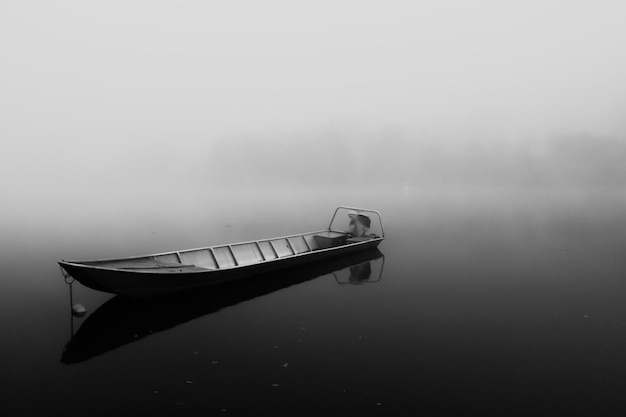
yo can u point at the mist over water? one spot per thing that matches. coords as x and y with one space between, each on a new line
145 93
489 135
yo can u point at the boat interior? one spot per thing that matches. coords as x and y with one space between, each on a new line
233 255
257 251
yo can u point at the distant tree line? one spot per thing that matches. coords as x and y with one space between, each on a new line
386 159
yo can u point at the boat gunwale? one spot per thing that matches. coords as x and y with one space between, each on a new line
80 264
194 249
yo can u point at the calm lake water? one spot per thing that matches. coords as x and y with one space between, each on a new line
508 301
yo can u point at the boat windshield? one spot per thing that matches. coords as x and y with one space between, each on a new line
360 222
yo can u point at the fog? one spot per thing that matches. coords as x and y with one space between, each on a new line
490 134
121 94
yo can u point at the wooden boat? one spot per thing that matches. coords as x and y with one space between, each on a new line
184 270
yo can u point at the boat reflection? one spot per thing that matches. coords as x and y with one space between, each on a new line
121 321
360 273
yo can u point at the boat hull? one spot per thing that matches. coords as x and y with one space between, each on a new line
155 283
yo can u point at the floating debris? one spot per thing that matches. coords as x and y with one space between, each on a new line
214 362
286 364
78 310
189 382
276 385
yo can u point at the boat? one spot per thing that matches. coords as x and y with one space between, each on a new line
122 320
190 269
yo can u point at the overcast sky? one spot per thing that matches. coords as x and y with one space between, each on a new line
82 78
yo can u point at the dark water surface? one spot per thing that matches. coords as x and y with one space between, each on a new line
509 301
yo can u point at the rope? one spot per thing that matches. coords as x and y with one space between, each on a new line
67 277
71 309
69 280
